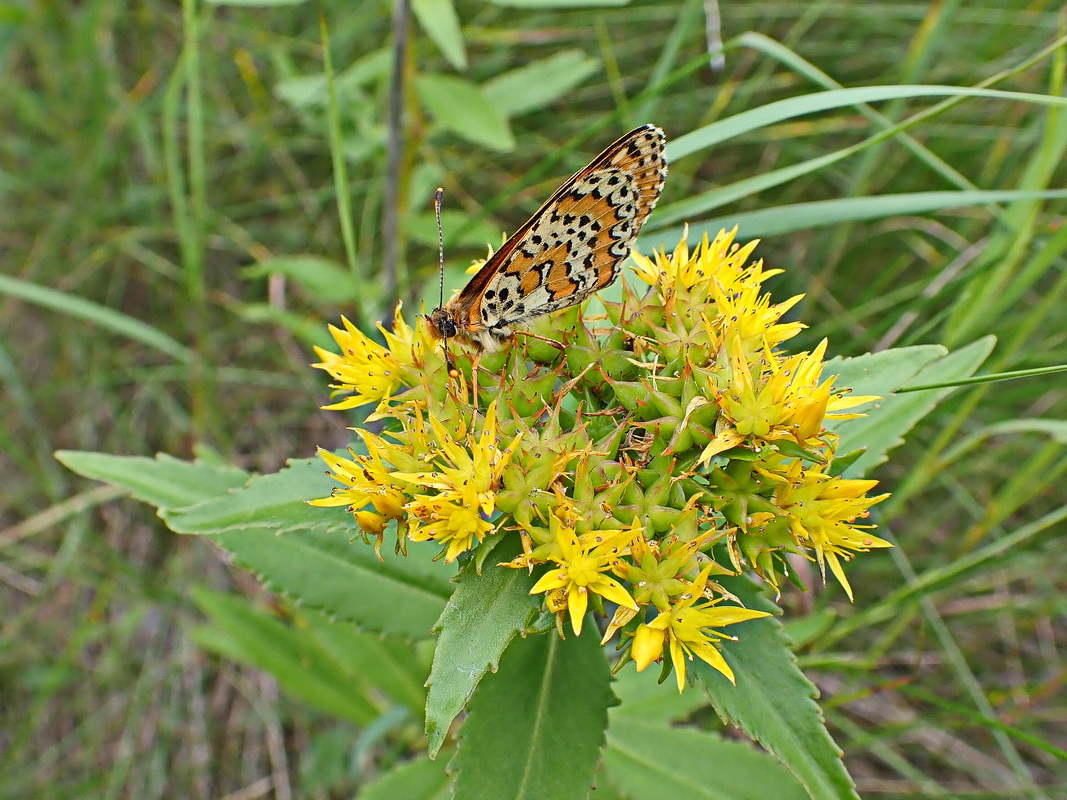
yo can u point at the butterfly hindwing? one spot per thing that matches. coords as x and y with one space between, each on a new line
574 245
571 247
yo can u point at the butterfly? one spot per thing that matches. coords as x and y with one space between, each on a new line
572 247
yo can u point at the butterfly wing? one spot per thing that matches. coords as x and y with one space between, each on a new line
575 243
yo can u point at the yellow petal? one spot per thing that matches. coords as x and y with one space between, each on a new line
611 589
577 603
553 579
711 655
839 573
678 659
647 646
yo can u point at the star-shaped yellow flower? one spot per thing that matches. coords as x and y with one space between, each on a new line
687 630
583 563
466 480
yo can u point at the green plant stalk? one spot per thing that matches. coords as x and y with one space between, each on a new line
337 155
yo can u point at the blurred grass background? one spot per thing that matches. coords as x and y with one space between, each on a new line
178 164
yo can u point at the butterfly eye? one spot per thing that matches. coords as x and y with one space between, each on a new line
447 327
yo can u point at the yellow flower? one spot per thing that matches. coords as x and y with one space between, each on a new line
743 311
823 510
406 344
368 370
583 561
367 480
709 262
466 480
782 400
686 630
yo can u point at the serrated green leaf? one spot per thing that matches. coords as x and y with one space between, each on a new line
164 482
325 571
275 502
535 728
325 280
421 779
292 655
878 374
440 22
881 373
889 419
651 761
535 85
773 702
482 617
461 107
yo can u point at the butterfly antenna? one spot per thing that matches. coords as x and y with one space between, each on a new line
437 198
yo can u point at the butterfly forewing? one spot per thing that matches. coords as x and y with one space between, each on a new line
571 247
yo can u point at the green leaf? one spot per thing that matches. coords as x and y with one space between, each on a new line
461 107
165 482
421 779
255 3
323 279
773 702
1055 429
315 561
479 621
312 91
535 85
558 3
651 761
276 502
326 571
105 318
888 420
878 374
389 662
302 667
824 213
535 728
439 20
782 110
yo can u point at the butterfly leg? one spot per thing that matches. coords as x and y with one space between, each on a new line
558 345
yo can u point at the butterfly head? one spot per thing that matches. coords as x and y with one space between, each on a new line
441 324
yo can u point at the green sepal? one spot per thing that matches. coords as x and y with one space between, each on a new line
787 447
841 463
634 397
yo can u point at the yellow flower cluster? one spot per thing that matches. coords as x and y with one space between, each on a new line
634 462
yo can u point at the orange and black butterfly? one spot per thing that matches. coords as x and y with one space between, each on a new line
573 246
